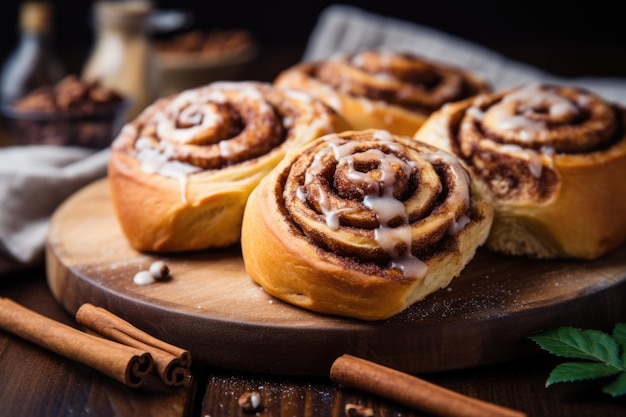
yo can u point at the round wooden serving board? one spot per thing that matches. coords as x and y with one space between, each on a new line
212 308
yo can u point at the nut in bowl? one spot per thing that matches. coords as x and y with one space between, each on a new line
71 113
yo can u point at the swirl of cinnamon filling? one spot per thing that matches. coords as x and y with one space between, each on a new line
402 79
383 199
510 138
222 124
182 171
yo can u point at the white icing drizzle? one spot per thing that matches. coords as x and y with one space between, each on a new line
196 108
584 100
476 113
301 194
332 219
321 122
461 193
535 159
383 76
527 99
548 154
230 147
532 96
458 225
188 107
158 161
216 96
298 95
331 96
331 215
200 116
379 198
387 208
226 148
383 135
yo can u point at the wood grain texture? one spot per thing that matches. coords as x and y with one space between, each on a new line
518 385
212 308
39 383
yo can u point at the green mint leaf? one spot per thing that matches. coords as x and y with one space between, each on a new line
617 387
575 343
578 371
619 334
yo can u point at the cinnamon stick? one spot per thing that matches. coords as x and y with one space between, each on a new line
125 364
411 391
170 362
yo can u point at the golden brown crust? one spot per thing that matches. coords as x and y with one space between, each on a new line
362 224
550 159
383 89
181 172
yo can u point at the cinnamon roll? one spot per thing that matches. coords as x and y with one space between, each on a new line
550 159
181 172
382 89
362 224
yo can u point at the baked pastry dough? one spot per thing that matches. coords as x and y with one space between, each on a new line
362 224
181 172
550 159
382 89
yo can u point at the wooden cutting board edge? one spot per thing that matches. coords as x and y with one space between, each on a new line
412 346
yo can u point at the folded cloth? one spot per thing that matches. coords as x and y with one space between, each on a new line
342 28
34 180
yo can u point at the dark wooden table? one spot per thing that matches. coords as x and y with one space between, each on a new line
35 382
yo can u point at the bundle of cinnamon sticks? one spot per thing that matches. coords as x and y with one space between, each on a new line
112 346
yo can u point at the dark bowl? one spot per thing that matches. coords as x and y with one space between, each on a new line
92 128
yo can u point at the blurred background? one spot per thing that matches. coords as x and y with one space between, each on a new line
565 38
195 42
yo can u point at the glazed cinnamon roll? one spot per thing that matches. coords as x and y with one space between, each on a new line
181 172
550 159
362 224
381 89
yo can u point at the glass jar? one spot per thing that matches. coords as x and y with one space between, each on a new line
122 58
33 63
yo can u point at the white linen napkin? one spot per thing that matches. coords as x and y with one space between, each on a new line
34 180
